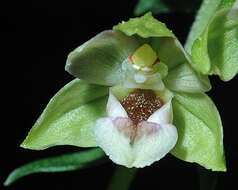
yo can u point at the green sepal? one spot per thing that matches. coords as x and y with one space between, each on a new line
99 60
216 50
145 27
67 162
69 117
200 131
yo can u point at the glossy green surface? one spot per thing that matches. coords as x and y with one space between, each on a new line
200 131
67 162
69 117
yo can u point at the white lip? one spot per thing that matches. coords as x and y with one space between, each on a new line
152 140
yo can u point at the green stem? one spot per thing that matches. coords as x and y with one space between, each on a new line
204 14
122 178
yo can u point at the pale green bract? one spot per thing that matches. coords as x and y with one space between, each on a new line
204 15
215 51
69 117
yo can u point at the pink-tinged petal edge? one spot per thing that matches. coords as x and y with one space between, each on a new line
150 143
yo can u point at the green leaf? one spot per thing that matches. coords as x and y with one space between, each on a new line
216 50
99 60
67 162
166 6
145 27
200 131
69 117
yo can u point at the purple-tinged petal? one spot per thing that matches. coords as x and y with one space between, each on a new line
113 136
134 146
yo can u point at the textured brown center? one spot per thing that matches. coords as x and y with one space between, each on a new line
141 104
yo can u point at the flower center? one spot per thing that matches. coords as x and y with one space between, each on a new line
141 104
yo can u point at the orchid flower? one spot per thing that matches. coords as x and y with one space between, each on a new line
138 131
140 95
156 102
131 59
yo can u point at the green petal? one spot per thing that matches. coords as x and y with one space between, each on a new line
69 117
200 131
145 26
67 162
181 76
99 60
184 78
170 51
216 51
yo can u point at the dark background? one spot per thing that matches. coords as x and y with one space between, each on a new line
36 38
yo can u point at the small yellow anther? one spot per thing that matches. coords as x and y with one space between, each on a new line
144 57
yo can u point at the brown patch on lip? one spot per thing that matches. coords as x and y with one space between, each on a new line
141 104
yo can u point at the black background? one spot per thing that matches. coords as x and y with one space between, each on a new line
36 38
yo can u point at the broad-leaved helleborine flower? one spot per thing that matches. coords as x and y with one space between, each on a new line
156 101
